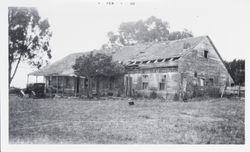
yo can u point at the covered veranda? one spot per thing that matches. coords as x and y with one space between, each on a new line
59 84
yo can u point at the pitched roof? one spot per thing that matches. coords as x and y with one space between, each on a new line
138 52
61 67
155 50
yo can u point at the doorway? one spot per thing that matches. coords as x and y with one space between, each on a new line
77 84
128 86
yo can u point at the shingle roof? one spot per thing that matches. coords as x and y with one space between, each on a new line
138 52
153 50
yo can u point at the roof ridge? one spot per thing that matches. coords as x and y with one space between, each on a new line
152 43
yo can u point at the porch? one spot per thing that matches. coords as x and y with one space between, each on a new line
64 85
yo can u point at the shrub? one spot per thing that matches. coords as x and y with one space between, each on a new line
137 95
153 95
176 97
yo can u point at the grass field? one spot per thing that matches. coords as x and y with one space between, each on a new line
213 121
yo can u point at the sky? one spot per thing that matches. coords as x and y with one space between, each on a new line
80 26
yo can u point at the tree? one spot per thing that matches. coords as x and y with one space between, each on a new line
236 68
93 66
29 37
176 35
151 30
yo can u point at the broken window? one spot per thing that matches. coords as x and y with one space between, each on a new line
145 85
131 62
152 61
161 86
159 60
137 62
205 53
167 59
175 58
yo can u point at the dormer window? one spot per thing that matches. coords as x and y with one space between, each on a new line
205 54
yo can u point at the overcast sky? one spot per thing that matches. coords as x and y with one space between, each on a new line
82 26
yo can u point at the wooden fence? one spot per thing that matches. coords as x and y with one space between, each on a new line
235 91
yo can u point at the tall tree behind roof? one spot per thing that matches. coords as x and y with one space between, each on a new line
152 29
236 68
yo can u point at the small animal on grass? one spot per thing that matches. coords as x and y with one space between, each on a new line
131 102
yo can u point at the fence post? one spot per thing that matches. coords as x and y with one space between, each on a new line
239 91
223 91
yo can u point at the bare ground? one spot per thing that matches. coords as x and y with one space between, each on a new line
211 121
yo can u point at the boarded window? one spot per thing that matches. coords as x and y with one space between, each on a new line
145 85
205 54
161 86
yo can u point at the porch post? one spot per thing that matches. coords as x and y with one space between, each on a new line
57 86
27 80
75 85
44 81
50 85
36 79
63 78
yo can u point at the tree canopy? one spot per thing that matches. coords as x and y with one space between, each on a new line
29 37
99 64
152 29
236 68
93 66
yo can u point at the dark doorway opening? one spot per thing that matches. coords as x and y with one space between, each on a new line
77 84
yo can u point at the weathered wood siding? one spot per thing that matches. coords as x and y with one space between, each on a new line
147 81
110 86
199 74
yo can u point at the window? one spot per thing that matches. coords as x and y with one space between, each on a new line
161 86
175 58
195 74
152 61
145 76
205 54
167 59
202 80
211 81
159 60
145 85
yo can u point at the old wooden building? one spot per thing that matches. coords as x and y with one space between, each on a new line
171 70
